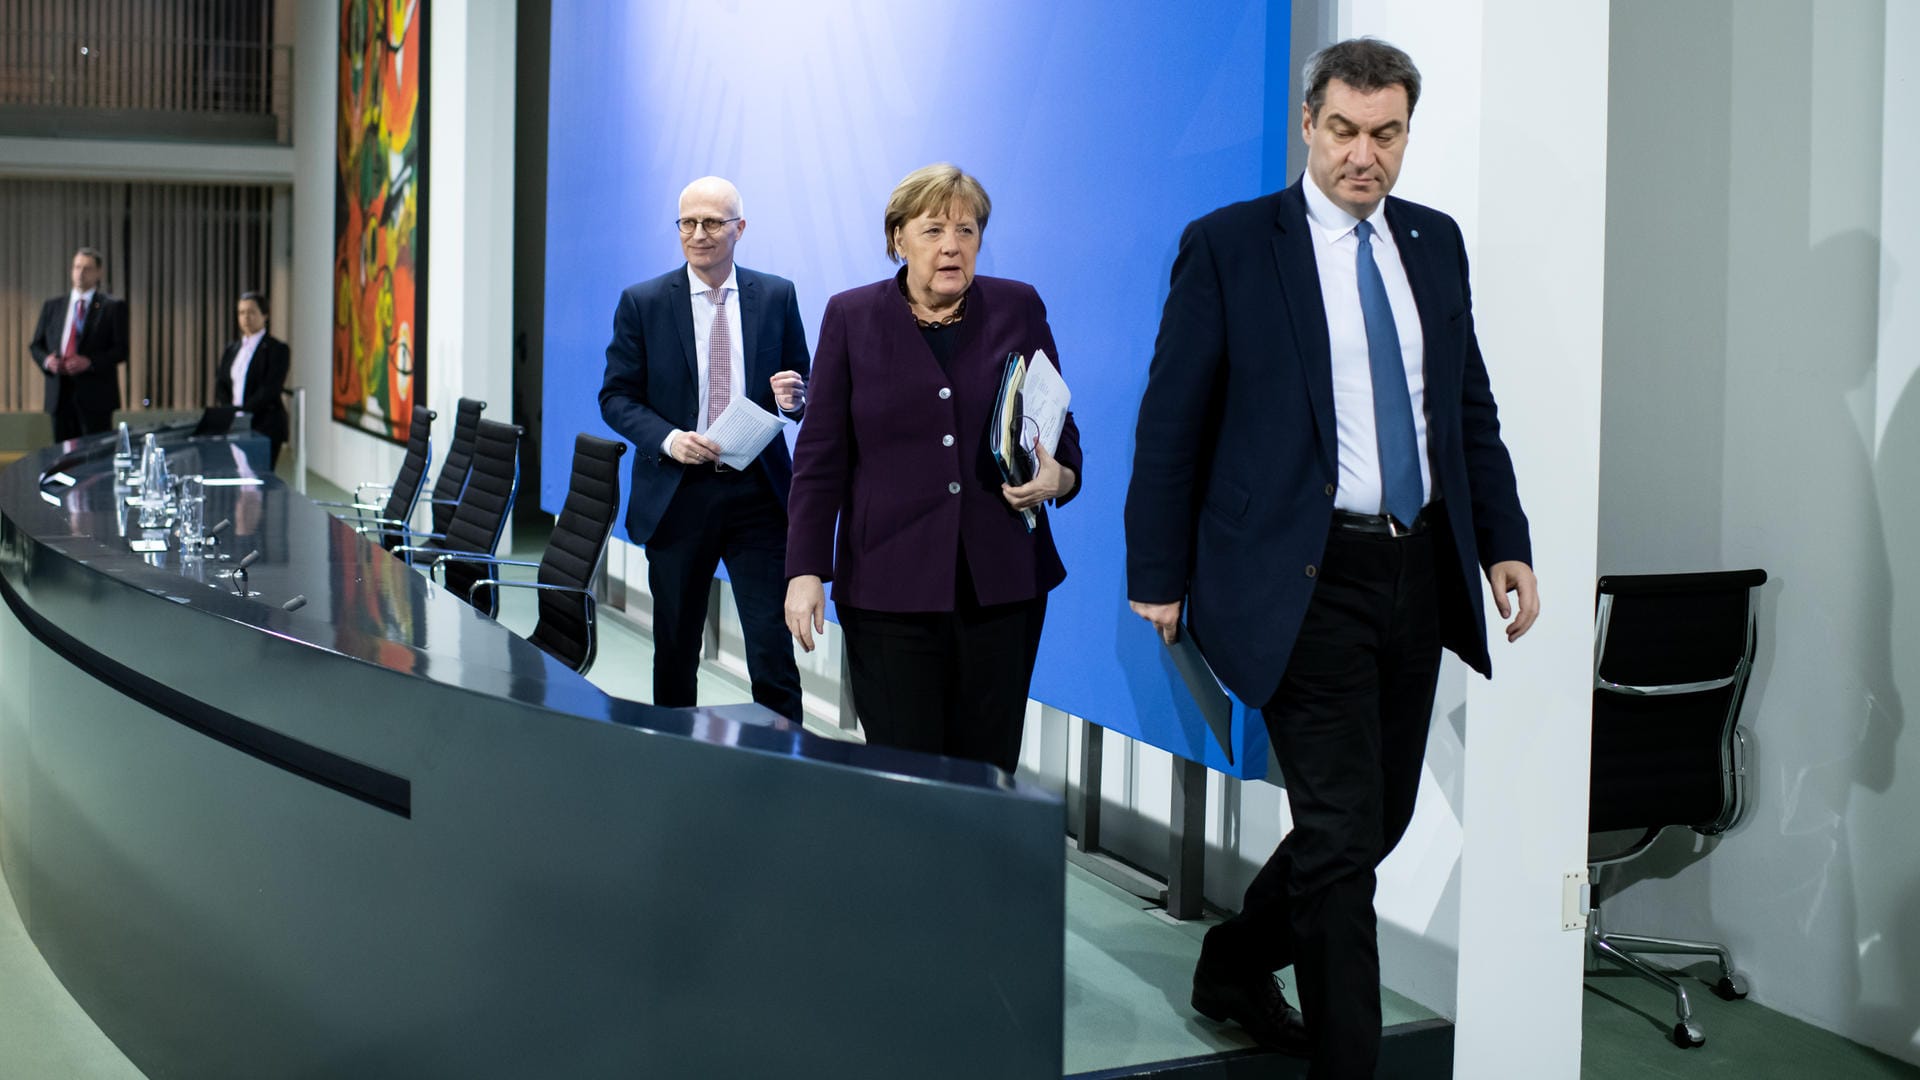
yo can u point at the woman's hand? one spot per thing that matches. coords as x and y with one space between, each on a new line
806 609
1050 481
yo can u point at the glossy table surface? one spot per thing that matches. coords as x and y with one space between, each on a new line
373 833
352 598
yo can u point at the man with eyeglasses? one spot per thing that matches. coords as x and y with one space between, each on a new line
685 344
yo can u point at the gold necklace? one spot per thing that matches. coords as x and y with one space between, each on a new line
932 324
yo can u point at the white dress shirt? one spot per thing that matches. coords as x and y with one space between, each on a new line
243 360
703 308
1336 246
73 305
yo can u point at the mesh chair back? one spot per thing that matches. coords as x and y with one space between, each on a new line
413 472
1673 653
482 514
453 472
579 537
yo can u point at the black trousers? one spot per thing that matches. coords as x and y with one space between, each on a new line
1349 729
945 682
731 517
70 421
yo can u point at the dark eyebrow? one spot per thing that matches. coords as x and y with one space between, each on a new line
1389 127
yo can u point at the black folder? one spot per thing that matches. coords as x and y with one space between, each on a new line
1003 431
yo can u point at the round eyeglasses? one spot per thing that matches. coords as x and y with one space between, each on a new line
711 226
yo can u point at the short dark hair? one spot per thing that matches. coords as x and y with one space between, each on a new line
1367 64
259 299
99 260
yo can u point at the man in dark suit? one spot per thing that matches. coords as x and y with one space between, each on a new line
684 345
257 366
80 343
1319 477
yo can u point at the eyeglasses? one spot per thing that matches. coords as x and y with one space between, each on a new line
711 226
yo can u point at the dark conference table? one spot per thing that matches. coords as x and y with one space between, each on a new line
380 835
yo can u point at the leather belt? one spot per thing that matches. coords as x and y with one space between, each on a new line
1384 524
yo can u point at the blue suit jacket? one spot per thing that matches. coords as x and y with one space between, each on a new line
1235 452
652 382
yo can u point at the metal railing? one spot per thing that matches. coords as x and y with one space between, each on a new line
94 84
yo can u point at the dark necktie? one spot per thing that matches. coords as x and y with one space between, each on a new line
719 358
79 321
1400 493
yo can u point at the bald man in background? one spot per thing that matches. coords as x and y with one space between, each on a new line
684 345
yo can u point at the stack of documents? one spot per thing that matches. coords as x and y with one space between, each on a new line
1030 407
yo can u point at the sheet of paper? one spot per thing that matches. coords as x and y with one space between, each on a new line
742 430
231 481
1044 399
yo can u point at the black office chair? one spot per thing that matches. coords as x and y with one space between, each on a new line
392 516
565 629
453 471
481 517
1672 654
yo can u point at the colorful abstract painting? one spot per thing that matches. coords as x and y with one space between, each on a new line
380 217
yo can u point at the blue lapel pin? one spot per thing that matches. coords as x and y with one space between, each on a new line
1415 233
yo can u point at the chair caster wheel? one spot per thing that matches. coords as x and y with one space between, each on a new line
1687 1036
1731 987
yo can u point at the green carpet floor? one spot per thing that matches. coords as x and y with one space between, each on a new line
1127 978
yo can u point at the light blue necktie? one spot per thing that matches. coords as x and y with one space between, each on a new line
1400 493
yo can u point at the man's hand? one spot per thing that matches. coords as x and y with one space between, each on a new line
690 449
806 609
1050 481
77 364
1516 577
56 365
1164 617
789 390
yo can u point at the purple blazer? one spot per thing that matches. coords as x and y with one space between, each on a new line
895 451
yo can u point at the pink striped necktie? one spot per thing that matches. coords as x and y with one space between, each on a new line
719 357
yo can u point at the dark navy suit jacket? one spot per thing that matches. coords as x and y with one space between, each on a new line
266 378
893 449
1235 452
652 380
103 340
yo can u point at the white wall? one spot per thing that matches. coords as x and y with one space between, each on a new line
1761 410
469 227
1518 155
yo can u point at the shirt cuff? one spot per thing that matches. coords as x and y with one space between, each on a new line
666 444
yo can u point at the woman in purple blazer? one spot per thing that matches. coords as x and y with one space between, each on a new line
939 586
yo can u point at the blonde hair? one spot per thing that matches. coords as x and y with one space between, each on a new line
931 190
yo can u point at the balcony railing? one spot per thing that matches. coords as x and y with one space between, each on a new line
81 84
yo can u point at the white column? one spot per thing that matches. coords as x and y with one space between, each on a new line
1510 138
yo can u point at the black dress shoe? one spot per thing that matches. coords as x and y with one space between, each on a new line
1256 1004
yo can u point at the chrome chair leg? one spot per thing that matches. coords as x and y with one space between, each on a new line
1686 1034
1681 947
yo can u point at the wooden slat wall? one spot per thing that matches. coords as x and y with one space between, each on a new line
180 255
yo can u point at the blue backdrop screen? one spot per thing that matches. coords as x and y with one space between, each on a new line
1099 130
